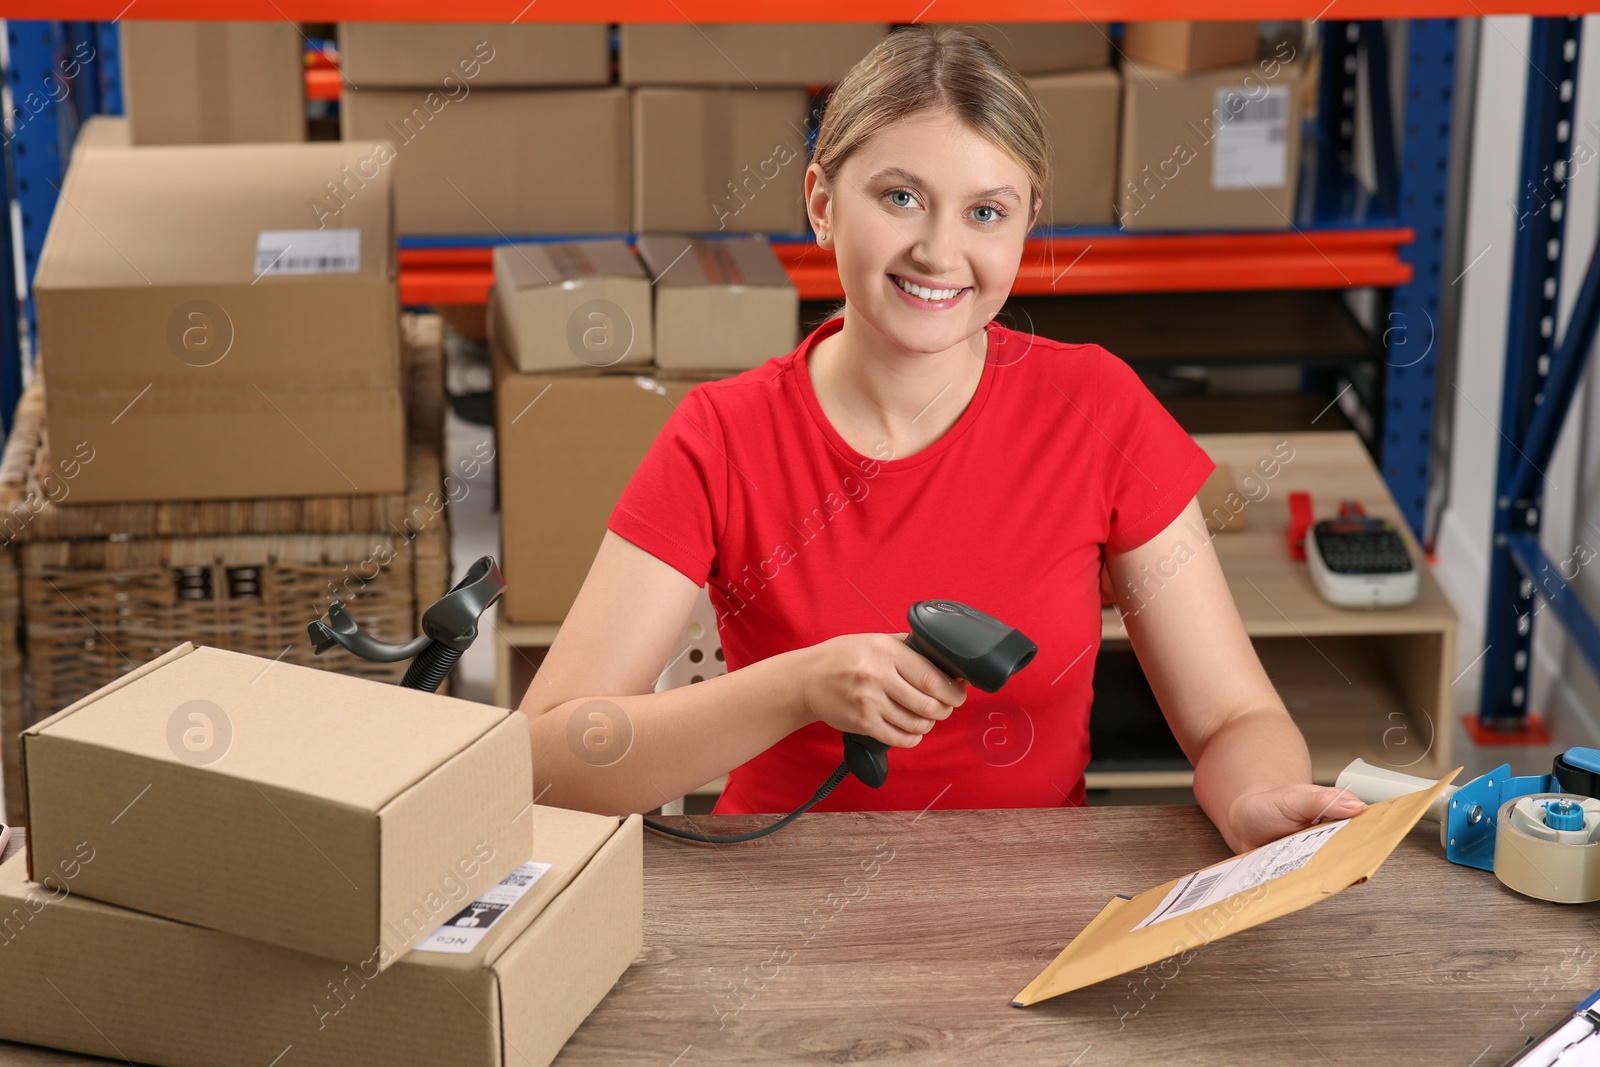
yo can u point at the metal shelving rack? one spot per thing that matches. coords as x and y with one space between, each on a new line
1397 240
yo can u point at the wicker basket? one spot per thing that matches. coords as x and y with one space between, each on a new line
89 592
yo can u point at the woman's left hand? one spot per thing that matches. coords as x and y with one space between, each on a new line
1257 818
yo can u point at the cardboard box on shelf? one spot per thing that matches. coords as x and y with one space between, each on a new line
760 55
579 305
1082 111
213 82
566 445
1049 47
303 808
216 323
377 55
506 992
1218 150
506 162
729 160
1187 47
103 131
722 304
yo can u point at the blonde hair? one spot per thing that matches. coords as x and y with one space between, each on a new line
917 68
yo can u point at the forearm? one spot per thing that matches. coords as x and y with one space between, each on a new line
1256 750
622 754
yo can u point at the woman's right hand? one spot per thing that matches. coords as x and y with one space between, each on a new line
875 684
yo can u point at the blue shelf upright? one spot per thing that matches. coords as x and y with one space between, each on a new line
1542 371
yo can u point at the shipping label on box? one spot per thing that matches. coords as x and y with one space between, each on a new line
107 981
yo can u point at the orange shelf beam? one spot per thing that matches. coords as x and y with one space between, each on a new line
322 83
744 11
1109 263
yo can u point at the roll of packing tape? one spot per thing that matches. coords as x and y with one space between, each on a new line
1547 846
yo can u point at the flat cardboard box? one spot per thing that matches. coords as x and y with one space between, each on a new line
499 162
728 160
1252 888
566 445
722 304
137 987
401 55
574 306
1082 111
192 372
1048 47
1219 150
299 807
751 55
1188 47
213 82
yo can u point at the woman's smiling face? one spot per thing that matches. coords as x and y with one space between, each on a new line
931 204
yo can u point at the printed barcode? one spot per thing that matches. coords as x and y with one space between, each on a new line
1273 107
290 264
1197 890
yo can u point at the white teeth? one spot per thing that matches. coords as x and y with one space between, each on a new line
924 292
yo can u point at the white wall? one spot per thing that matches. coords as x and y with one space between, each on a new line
1562 692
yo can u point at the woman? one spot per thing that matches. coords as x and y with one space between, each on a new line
910 448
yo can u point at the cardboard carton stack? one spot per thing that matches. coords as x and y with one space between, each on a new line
212 82
1210 128
593 346
720 119
491 129
230 857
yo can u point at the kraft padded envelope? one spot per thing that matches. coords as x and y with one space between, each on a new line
1278 878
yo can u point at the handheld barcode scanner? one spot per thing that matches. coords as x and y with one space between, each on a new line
964 643
959 640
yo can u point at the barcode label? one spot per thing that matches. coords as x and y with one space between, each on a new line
1199 889
469 925
307 252
1209 887
1251 148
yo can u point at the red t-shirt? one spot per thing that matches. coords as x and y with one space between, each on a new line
1061 452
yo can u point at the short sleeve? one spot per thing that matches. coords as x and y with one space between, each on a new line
671 504
1150 467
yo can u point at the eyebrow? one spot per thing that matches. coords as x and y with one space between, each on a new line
906 176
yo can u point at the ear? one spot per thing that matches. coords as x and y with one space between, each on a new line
819 203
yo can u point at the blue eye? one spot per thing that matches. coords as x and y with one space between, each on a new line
996 216
900 192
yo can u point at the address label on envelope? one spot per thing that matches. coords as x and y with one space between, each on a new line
1280 877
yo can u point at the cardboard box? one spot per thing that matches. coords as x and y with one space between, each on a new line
566 445
722 304
750 55
163 992
103 131
304 808
1276 879
207 340
213 82
1048 47
1187 47
729 160
1081 113
1219 150
581 305
502 162
399 55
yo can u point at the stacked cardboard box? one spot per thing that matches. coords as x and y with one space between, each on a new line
229 857
491 129
720 119
211 334
590 358
210 82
